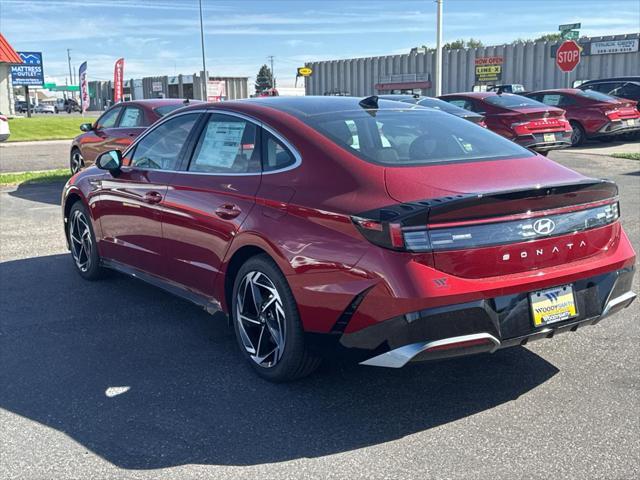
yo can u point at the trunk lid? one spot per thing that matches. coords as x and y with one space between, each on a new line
502 217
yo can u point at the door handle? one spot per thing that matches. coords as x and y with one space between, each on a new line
228 211
152 197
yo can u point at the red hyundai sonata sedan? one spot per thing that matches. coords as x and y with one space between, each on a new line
592 114
390 232
116 128
525 121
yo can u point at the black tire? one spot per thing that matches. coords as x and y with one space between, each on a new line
76 161
577 136
295 361
88 266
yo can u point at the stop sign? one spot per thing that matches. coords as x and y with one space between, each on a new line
568 56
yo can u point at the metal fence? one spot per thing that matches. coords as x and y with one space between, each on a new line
531 64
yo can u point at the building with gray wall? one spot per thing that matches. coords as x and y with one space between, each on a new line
531 64
177 86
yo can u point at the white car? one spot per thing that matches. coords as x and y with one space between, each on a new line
4 128
42 108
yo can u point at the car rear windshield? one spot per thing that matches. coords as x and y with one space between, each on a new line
507 100
417 136
600 97
163 110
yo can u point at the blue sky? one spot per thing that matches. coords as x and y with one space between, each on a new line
161 37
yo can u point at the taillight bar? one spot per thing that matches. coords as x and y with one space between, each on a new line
431 238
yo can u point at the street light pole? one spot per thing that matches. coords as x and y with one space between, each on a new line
204 66
273 77
70 73
439 50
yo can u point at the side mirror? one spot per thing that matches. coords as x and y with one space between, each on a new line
111 160
86 127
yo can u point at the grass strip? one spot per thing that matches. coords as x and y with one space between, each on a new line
43 176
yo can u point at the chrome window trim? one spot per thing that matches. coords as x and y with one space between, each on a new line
255 121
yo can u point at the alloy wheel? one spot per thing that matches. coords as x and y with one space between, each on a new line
81 243
77 162
261 319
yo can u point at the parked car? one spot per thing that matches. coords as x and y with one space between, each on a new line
438 105
70 105
116 128
527 122
450 241
4 128
45 108
21 106
623 87
592 114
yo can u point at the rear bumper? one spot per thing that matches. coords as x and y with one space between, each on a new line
615 128
538 142
483 326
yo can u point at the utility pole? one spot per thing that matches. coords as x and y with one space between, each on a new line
70 72
439 49
273 77
204 66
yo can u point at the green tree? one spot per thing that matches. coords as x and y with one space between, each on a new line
549 37
264 79
473 43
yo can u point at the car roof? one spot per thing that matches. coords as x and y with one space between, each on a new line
612 79
478 95
308 105
159 102
574 91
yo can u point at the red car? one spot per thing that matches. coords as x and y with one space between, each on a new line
392 233
592 114
117 127
527 122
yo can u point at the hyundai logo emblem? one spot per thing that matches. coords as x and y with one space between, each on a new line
544 226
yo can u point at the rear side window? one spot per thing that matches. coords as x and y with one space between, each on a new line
161 148
227 146
163 110
131 117
413 137
276 156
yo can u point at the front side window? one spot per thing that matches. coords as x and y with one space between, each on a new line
461 103
413 137
108 120
228 145
131 117
161 148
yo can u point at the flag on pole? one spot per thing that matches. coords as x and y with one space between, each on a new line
118 73
84 87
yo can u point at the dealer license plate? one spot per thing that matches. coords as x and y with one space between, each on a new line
631 122
553 305
549 137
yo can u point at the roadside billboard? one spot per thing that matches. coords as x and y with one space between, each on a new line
29 73
488 69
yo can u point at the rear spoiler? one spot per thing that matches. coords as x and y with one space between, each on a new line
490 204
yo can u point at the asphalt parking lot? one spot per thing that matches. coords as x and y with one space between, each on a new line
116 378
